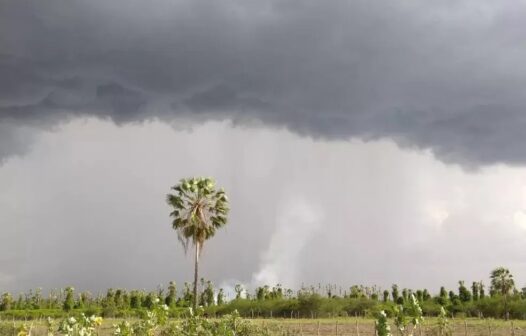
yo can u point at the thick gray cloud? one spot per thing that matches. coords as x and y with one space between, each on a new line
444 75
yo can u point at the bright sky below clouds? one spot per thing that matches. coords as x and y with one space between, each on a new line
86 206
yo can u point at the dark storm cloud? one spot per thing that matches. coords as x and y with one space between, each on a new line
14 140
448 76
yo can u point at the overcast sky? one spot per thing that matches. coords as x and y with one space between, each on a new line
361 142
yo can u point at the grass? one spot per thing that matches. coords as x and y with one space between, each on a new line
366 327
345 326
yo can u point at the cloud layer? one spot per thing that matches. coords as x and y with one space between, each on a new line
444 75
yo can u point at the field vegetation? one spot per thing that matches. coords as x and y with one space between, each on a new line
272 302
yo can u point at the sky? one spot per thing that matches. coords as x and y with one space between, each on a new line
360 142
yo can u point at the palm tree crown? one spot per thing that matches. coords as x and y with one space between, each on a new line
502 281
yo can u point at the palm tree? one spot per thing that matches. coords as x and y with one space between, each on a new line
198 211
502 283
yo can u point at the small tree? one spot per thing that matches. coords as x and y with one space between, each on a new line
420 295
482 292
7 302
171 297
394 292
239 290
442 298
386 295
408 318
426 295
188 296
463 293
220 297
475 290
382 325
502 283
136 299
208 294
444 329
69 301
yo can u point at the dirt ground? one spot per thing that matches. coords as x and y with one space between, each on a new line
348 327
360 327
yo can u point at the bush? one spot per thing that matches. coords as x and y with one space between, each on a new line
31 314
431 308
7 328
360 306
232 324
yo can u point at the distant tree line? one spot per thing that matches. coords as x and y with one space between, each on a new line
503 300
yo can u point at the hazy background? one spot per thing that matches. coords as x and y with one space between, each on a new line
360 141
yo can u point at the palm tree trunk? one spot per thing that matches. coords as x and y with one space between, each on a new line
196 274
506 313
